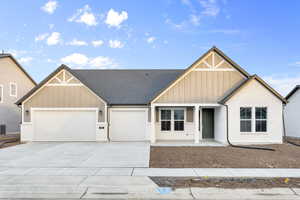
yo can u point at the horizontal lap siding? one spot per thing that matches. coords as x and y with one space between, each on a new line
63 97
202 87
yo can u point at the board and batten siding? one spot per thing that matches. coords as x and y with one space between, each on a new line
202 87
63 97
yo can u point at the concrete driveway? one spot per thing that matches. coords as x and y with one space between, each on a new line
76 154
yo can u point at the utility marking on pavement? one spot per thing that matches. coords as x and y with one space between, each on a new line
164 190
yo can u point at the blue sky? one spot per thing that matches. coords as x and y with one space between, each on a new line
261 36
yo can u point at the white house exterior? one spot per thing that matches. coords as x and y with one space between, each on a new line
14 84
212 99
292 114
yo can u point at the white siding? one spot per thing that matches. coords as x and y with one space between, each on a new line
291 115
255 95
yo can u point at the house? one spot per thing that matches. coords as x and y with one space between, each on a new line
212 99
14 83
291 113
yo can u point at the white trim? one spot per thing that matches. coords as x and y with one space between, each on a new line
220 63
64 84
196 122
172 109
10 90
213 60
180 78
70 79
215 69
44 85
208 65
2 93
67 108
187 104
57 79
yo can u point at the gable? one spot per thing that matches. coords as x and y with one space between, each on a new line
248 94
207 81
63 90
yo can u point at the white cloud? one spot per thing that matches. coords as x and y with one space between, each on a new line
115 19
84 15
41 37
97 43
151 39
102 62
76 59
81 60
283 83
54 39
195 20
25 60
17 53
50 7
76 42
211 7
115 44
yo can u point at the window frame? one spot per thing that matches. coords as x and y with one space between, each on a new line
266 119
10 89
178 120
250 119
172 124
165 120
1 93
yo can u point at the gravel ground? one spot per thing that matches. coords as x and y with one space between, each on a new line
284 156
182 182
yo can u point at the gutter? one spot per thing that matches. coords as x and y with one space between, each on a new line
239 146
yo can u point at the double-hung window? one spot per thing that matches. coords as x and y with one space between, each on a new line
179 120
261 119
172 119
165 120
245 119
13 89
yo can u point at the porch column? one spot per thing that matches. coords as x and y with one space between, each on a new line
196 120
152 133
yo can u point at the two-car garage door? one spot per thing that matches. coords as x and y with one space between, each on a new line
80 125
64 125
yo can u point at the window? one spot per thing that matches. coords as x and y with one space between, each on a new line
1 93
245 119
261 119
13 89
178 120
172 119
165 120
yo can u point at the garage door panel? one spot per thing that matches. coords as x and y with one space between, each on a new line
62 125
128 125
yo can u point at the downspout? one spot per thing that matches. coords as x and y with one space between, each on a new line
284 132
239 146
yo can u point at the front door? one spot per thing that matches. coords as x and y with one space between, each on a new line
207 123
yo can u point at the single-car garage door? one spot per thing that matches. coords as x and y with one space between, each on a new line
64 125
128 124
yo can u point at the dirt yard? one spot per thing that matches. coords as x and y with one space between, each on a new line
182 182
284 156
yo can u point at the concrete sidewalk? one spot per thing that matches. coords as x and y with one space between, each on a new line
169 172
123 187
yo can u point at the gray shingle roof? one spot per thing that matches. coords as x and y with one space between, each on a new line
120 87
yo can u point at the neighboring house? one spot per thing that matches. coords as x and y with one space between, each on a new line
14 84
292 113
154 105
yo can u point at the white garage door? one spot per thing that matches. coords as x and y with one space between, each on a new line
128 125
64 125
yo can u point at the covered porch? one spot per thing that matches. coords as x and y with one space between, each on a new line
188 124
